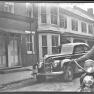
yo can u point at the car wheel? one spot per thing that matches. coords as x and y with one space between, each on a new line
40 78
68 74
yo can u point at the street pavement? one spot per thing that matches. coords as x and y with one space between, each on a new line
13 77
53 85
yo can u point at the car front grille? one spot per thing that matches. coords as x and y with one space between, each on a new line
48 67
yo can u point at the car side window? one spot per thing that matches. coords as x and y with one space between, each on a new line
78 49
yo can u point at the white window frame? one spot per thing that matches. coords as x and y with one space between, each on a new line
54 15
75 25
88 29
45 46
64 21
29 5
43 14
28 51
82 28
7 5
58 39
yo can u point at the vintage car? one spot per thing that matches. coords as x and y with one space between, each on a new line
58 64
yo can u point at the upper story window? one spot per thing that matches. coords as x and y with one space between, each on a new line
54 15
43 14
83 26
62 19
90 29
29 10
9 7
30 43
74 25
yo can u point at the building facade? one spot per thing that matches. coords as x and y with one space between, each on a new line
17 35
57 25
29 31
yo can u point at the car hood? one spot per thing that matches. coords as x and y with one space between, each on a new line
55 55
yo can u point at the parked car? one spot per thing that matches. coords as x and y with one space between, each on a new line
59 65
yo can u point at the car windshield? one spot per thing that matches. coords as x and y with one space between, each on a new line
66 49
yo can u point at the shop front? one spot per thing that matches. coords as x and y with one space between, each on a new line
9 50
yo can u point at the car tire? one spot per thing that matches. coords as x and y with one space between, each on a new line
40 78
68 74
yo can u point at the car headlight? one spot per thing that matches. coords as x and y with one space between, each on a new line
55 63
88 80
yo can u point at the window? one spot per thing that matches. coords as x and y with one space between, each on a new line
44 45
29 10
30 43
78 49
63 21
74 25
90 28
54 44
43 14
83 26
9 7
54 15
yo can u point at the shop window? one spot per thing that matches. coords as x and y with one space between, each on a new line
29 10
43 14
44 45
54 44
90 28
74 25
30 43
83 26
54 15
9 7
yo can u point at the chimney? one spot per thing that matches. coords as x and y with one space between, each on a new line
90 11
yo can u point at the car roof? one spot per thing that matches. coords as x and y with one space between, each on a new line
74 44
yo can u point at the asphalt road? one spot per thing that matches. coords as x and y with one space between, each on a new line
50 85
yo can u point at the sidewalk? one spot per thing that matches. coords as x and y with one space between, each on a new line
12 77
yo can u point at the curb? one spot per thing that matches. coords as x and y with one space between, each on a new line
15 82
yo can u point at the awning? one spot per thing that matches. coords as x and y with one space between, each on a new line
13 31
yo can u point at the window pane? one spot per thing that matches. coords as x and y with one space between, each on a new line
54 10
43 9
29 42
90 28
44 40
63 21
44 51
43 14
30 46
83 25
54 40
74 25
54 50
43 18
53 19
53 15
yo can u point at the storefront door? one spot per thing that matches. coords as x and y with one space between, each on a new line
2 52
13 52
